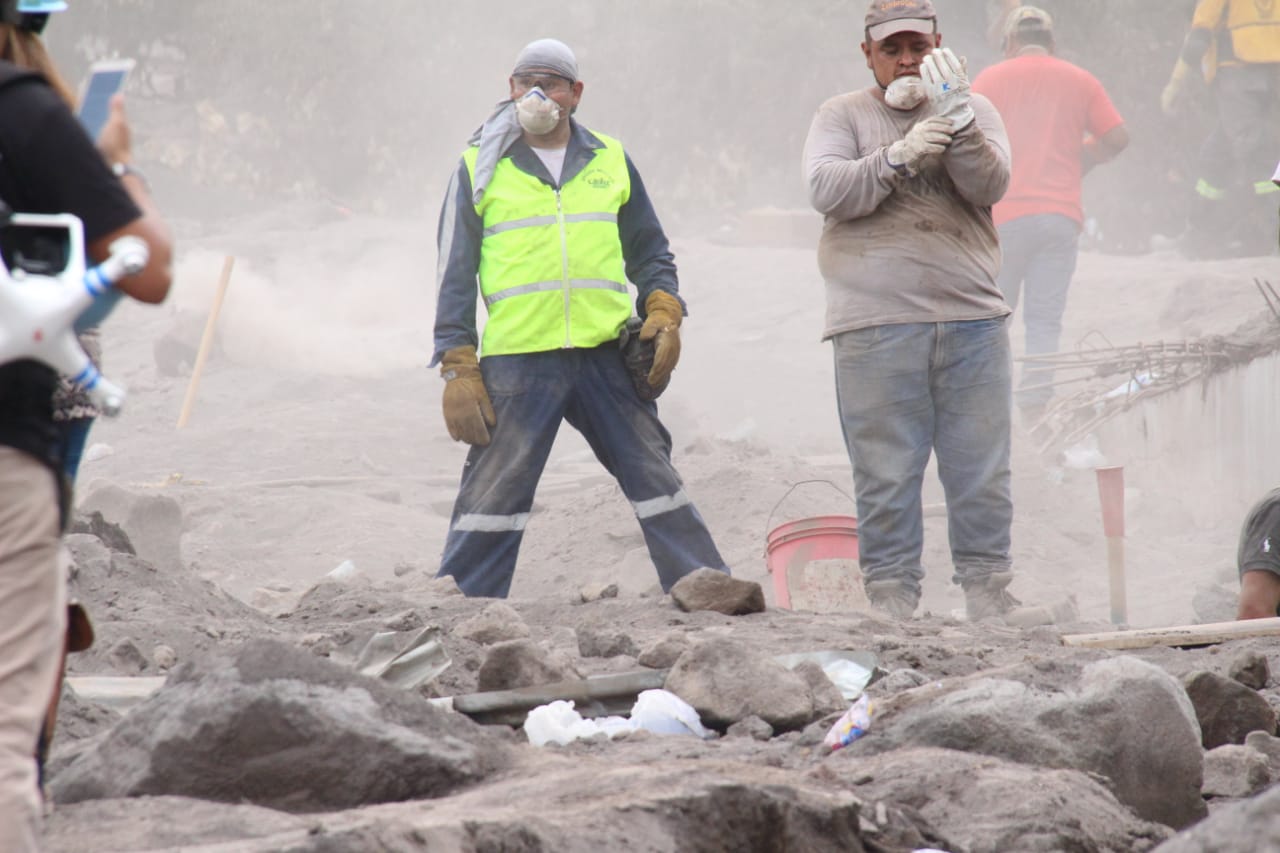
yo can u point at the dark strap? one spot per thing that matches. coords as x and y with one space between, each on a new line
10 73
26 387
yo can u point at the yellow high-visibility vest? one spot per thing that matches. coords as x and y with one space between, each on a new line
551 266
1244 31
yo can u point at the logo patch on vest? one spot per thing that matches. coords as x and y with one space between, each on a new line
598 179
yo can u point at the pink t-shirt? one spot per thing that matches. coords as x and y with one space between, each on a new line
1048 105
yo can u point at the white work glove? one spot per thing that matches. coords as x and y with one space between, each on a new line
947 82
928 136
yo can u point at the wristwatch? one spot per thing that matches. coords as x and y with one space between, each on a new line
122 169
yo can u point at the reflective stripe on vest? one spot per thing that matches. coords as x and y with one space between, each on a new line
551 266
1207 190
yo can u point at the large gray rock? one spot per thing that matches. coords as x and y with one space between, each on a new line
665 651
1126 720
604 641
152 523
827 698
273 725
1268 745
582 805
497 623
726 682
1227 710
1252 825
988 805
1235 771
708 589
523 663
111 535
1251 669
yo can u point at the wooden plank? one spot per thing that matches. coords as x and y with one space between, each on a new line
119 692
1181 635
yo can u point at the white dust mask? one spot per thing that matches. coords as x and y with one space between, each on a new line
537 113
905 93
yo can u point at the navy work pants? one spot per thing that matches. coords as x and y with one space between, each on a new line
531 394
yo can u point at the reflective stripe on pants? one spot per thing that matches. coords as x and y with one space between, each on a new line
531 394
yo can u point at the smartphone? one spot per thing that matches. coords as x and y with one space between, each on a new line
106 77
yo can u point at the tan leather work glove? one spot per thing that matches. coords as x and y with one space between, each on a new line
467 410
662 320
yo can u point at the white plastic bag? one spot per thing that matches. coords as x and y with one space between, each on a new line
665 713
558 722
657 711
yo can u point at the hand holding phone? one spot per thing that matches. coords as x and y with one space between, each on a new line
106 78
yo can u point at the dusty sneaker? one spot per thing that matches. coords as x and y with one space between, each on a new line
892 598
987 596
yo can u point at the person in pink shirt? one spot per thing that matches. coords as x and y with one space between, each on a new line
1061 123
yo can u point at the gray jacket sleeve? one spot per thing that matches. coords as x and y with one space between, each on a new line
458 237
978 158
842 184
649 263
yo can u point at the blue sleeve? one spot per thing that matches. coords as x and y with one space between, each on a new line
458 241
650 265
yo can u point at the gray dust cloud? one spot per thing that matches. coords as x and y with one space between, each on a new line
257 120
307 501
366 107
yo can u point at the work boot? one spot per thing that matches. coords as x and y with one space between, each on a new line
987 596
892 598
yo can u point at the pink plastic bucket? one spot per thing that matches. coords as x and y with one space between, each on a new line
790 546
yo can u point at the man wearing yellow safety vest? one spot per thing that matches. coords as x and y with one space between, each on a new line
551 220
1237 45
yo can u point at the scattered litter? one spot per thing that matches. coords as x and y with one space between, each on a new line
558 722
417 662
659 711
1128 389
664 713
98 451
346 570
850 672
852 725
1084 455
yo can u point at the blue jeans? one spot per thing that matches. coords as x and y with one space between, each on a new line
531 395
1040 252
907 389
75 434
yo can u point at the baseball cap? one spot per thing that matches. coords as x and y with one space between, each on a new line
1027 18
886 17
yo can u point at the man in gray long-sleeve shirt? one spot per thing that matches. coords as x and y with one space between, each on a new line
906 172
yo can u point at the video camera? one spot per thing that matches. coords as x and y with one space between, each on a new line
44 288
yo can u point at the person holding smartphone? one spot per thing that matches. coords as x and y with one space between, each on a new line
48 165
